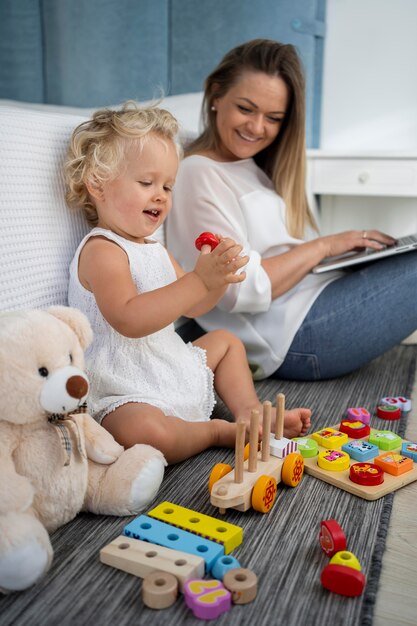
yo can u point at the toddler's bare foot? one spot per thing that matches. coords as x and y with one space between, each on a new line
296 422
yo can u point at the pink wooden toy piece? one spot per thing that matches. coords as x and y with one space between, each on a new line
207 598
359 413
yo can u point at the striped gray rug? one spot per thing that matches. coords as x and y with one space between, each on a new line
282 547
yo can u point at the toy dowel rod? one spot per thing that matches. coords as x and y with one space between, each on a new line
239 451
253 441
279 420
266 429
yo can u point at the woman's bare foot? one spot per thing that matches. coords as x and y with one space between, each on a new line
296 422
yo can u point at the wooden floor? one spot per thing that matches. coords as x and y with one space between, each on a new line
397 596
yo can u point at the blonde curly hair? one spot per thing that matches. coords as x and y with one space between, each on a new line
98 148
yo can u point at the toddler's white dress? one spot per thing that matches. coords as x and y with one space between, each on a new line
159 369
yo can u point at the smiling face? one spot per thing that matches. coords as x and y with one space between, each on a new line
249 116
138 200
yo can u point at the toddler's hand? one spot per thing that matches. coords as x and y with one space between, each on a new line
218 268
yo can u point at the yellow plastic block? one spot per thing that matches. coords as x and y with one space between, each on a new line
346 558
330 438
333 460
228 535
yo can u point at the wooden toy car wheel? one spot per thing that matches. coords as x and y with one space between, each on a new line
292 469
218 471
264 494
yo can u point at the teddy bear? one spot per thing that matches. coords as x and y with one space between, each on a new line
56 460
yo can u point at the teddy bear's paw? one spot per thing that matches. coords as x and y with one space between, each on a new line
127 485
23 565
146 485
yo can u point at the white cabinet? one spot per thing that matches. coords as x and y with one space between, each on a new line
337 177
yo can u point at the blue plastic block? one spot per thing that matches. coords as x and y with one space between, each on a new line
152 530
222 565
361 450
409 448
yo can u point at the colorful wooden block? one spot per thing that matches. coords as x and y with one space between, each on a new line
307 447
330 438
207 599
141 558
361 450
159 590
346 558
343 580
150 529
366 474
385 439
242 584
394 463
223 565
281 447
359 413
409 448
333 460
354 429
228 535
332 538
388 412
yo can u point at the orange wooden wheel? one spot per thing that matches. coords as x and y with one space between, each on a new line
218 471
246 451
292 469
264 494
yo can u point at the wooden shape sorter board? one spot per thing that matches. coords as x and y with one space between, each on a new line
342 480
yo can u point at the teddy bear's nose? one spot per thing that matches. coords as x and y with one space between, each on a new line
77 386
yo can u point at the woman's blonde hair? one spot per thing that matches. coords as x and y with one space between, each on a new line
284 161
98 148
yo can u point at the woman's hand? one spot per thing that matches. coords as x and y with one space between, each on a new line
350 240
218 268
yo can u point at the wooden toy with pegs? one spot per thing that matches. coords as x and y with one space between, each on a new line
254 481
368 467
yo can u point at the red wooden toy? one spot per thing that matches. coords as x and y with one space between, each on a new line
367 474
388 412
343 580
206 239
354 429
332 538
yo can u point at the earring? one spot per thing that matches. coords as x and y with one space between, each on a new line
213 108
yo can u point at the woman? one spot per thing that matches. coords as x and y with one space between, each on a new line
244 177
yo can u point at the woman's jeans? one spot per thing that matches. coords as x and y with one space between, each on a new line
355 319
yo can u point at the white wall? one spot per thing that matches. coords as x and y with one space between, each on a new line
369 100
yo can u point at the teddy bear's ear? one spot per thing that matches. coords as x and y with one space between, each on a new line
76 320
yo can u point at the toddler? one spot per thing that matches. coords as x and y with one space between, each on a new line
147 385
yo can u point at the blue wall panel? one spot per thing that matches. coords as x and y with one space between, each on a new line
91 53
107 51
21 55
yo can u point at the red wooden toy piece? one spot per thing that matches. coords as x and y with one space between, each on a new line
388 412
367 474
354 429
206 239
332 538
343 580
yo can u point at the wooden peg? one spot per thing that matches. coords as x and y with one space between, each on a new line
240 445
279 420
253 441
159 590
266 430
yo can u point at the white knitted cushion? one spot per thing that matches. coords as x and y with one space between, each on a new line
38 233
